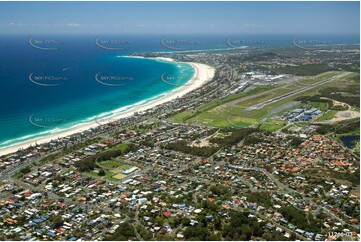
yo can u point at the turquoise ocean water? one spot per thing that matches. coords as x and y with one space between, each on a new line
51 83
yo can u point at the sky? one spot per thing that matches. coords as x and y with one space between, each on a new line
180 17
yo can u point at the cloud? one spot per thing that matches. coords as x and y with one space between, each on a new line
251 25
73 25
14 24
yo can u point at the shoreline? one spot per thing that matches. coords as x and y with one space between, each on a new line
203 74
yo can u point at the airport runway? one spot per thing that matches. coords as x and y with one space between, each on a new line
276 99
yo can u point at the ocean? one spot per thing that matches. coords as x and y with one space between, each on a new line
53 82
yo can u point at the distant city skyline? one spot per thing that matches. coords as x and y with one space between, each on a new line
180 17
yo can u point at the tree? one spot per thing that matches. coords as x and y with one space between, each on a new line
101 172
214 237
186 221
125 231
196 233
295 141
57 221
240 227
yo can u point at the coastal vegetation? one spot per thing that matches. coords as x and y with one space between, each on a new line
233 137
342 127
182 146
68 150
304 70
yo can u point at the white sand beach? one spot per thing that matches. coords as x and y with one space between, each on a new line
203 74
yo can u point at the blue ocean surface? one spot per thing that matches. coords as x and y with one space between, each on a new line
52 82
44 92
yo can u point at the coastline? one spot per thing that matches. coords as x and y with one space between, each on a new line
203 74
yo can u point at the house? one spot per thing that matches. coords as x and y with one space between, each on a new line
193 222
269 226
310 234
209 218
287 235
278 229
305 118
51 234
297 111
180 236
318 237
284 221
291 226
167 214
252 205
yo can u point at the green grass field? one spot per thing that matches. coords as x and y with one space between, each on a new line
323 106
327 115
108 175
234 110
113 169
121 146
113 163
273 125
189 114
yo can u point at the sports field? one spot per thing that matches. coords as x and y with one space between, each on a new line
113 169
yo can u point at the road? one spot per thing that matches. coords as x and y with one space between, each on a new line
277 182
309 200
273 222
